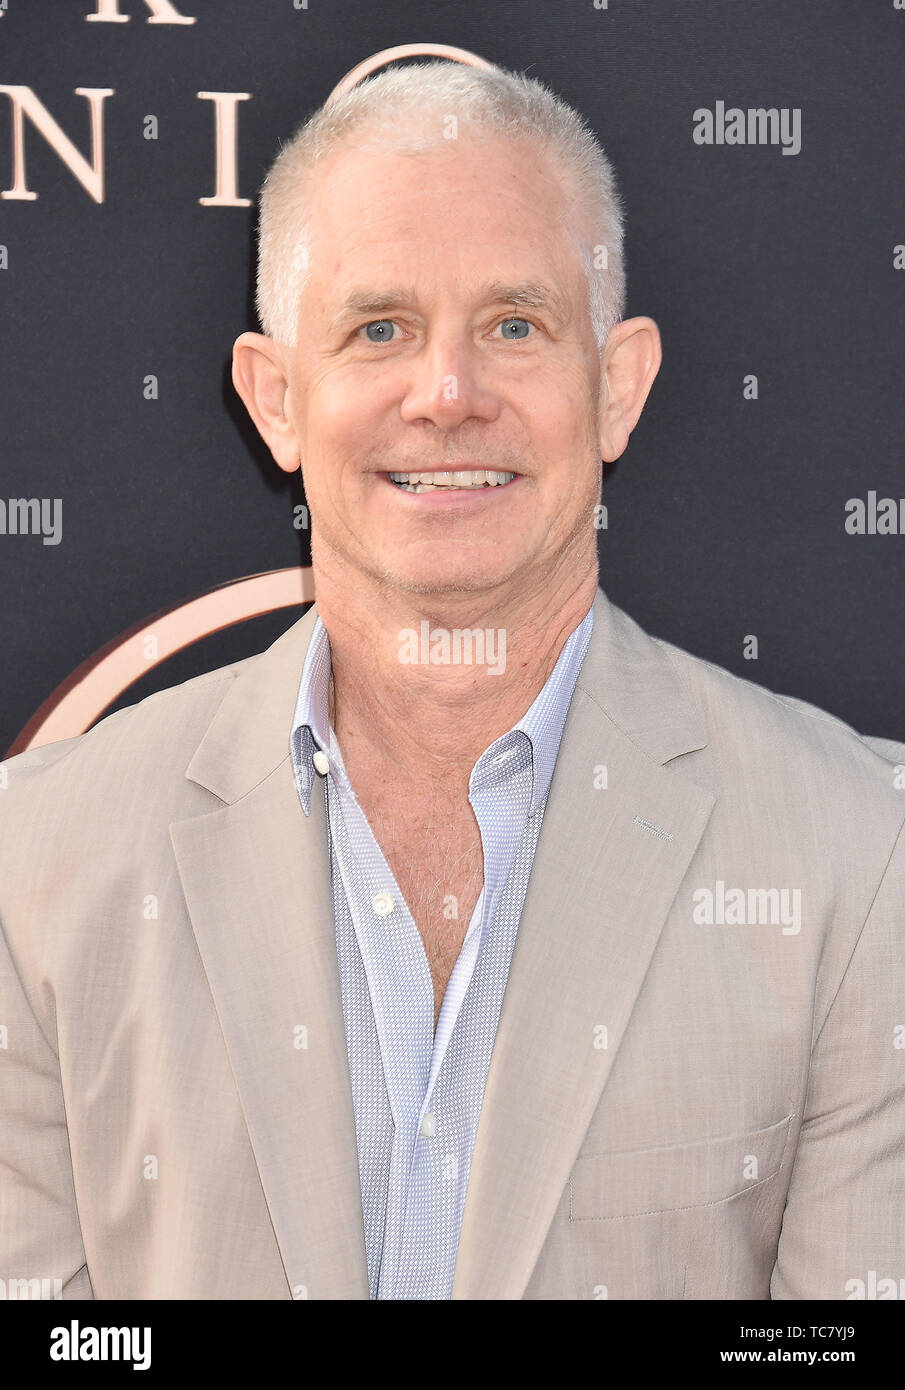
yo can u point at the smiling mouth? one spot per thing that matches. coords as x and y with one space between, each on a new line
461 480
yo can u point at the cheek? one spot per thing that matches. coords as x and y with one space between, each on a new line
344 414
334 440
561 394
561 418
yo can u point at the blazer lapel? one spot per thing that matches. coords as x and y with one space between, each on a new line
256 878
607 867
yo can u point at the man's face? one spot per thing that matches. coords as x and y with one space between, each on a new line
451 373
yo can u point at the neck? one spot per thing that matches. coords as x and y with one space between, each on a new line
420 724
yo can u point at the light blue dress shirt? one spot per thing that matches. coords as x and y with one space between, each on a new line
417 1095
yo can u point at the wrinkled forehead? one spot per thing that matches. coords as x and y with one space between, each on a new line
493 205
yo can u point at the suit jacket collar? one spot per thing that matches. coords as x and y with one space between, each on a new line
626 672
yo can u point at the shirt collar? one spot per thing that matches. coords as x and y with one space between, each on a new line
542 725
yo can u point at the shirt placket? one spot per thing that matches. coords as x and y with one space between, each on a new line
402 1001
433 1201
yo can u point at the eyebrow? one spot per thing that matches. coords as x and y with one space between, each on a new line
528 294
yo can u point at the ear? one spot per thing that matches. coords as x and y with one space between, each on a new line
260 379
630 359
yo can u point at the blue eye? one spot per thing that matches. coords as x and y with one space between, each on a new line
383 330
514 337
382 327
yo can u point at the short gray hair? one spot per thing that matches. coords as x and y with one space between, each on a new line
406 107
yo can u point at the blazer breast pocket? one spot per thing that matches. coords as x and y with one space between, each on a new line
642 1182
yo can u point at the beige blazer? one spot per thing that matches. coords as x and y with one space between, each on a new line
675 1108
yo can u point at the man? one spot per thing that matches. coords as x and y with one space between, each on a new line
468 942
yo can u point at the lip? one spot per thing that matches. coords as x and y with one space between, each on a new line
456 497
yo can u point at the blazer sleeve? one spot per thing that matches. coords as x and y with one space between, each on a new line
843 1228
40 1237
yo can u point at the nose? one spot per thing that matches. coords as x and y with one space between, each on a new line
448 384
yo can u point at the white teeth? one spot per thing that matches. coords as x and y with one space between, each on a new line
461 478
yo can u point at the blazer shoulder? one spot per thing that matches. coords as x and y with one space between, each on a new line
784 731
159 731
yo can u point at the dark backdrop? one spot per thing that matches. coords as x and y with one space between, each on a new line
726 515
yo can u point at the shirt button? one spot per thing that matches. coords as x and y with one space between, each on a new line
429 1126
321 763
382 904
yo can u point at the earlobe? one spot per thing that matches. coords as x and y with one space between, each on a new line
614 434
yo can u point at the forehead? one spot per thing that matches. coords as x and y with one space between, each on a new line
483 209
